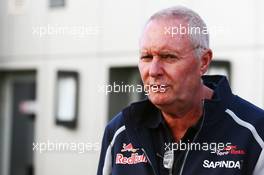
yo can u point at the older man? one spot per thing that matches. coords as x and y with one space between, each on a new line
190 124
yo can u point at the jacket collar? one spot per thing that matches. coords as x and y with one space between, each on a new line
222 98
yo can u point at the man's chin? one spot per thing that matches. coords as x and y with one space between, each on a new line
159 101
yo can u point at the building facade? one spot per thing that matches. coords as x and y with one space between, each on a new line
57 58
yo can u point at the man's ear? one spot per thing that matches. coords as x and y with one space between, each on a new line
205 61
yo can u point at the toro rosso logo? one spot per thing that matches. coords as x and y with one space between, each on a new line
134 158
232 149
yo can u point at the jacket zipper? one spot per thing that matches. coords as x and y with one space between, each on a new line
149 162
195 137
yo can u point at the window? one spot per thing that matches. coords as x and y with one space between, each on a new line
57 3
67 98
219 67
124 88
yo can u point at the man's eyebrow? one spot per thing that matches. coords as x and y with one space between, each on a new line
158 52
162 52
166 51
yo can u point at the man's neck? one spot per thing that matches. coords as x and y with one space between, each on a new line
179 124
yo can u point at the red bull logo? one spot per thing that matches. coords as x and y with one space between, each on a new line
134 158
128 148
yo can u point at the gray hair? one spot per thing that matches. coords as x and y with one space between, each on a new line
200 40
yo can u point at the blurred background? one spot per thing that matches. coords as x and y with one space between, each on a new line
57 58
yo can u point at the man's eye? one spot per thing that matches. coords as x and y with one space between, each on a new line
169 56
146 57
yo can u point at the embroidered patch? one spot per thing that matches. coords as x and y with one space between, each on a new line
134 158
230 150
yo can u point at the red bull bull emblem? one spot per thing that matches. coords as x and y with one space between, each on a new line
128 148
134 158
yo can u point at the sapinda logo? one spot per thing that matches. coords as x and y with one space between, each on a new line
222 164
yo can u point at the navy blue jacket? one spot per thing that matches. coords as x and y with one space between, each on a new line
127 148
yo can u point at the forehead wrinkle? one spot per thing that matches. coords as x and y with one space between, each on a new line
158 50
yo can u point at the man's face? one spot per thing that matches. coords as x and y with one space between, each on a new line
168 64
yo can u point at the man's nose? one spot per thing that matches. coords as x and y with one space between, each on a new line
155 67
